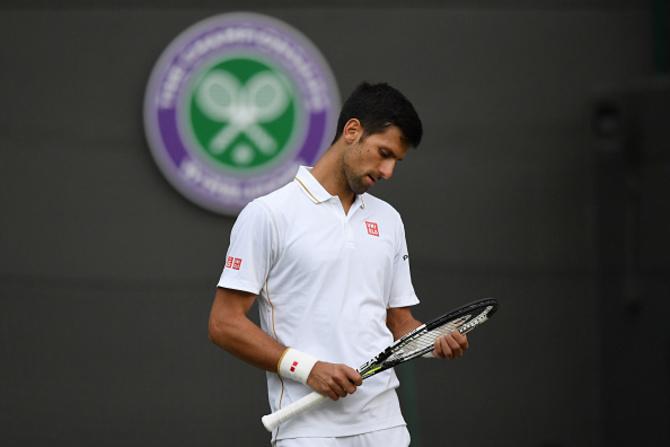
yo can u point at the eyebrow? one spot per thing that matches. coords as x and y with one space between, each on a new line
386 148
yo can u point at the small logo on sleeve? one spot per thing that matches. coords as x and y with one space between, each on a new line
233 263
292 368
373 229
405 257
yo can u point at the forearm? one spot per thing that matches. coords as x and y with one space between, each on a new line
245 340
232 330
400 321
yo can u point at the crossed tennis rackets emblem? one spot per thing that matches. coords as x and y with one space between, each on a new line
223 99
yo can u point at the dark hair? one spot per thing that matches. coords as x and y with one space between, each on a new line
378 106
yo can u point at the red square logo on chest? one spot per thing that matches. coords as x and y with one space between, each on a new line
373 229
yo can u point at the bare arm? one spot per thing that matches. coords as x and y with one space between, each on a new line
232 330
401 321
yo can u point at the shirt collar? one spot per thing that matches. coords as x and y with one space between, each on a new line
311 186
314 190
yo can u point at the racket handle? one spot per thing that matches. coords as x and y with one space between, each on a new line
271 421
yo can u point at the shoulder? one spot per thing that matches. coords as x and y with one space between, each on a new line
273 203
271 209
280 198
381 207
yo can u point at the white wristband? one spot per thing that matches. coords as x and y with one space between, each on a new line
296 365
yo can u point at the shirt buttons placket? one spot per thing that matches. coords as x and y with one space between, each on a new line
348 234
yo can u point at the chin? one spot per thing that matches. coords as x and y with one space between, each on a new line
359 188
362 189
357 184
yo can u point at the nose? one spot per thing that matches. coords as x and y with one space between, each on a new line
386 168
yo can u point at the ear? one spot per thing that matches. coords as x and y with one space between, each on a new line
352 131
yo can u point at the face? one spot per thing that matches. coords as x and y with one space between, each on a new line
373 157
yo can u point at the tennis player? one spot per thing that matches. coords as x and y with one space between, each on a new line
328 263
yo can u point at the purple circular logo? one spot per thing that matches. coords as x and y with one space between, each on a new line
233 106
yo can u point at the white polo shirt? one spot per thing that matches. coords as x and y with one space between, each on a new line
325 281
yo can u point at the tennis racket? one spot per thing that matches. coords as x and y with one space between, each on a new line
420 342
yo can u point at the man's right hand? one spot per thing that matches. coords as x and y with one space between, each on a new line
334 380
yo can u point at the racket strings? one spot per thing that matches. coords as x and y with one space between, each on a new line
424 342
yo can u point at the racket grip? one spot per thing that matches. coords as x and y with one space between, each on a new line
271 421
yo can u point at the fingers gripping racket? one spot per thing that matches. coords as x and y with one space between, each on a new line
419 342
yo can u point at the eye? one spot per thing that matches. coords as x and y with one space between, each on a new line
384 153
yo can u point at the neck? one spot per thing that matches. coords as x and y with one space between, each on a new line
329 171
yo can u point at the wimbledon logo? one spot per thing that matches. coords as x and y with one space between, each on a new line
234 105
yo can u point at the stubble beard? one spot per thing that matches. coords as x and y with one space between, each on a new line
356 182
357 185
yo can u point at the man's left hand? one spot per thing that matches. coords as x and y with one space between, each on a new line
451 345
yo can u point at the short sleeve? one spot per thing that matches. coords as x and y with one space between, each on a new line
250 251
402 290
